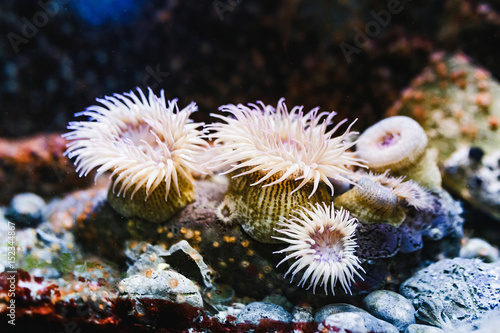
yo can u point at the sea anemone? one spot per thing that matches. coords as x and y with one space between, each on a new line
373 203
380 198
399 144
148 145
408 192
291 155
322 241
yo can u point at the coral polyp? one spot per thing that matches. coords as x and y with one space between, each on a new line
321 242
148 145
278 160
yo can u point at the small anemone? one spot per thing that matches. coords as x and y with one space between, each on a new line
149 147
399 144
372 202
408 192
321 242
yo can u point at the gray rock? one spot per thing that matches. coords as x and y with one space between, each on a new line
418 328
330 309
279 300
477 181
302 314
355 322
254 312
454 292
149 257
166 285
391 307
479 248
26 210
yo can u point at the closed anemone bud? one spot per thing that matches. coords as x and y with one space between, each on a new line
372 202
278 160
150 148
399 144
322 244
408 192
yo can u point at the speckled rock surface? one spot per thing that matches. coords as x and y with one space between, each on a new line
419 328
391 307
166 285
475 176
456 103
355 322
25 210
36 164
330 309
254 312
454 292
479 248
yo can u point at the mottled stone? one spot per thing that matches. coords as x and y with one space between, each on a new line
391 307
456 102
279 300
454 292
302 314
419 328
475 179
25 210
165 285
180 255
330 309
355 322
254 312
479 248
37 165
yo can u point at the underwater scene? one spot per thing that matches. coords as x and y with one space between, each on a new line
250 166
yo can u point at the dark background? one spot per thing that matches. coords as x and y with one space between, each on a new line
224 51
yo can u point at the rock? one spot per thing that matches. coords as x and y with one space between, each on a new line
279 300
166 285
26 210
479 248
391 307
419 328
254 312
37 165
330 309
456 102
355 322
475 179
454 292
302 314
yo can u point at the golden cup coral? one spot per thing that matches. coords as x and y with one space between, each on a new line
322 241
291 155
399 144
148 146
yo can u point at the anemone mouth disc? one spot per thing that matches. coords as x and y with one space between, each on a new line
394 142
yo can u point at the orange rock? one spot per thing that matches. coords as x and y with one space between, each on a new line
36 164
